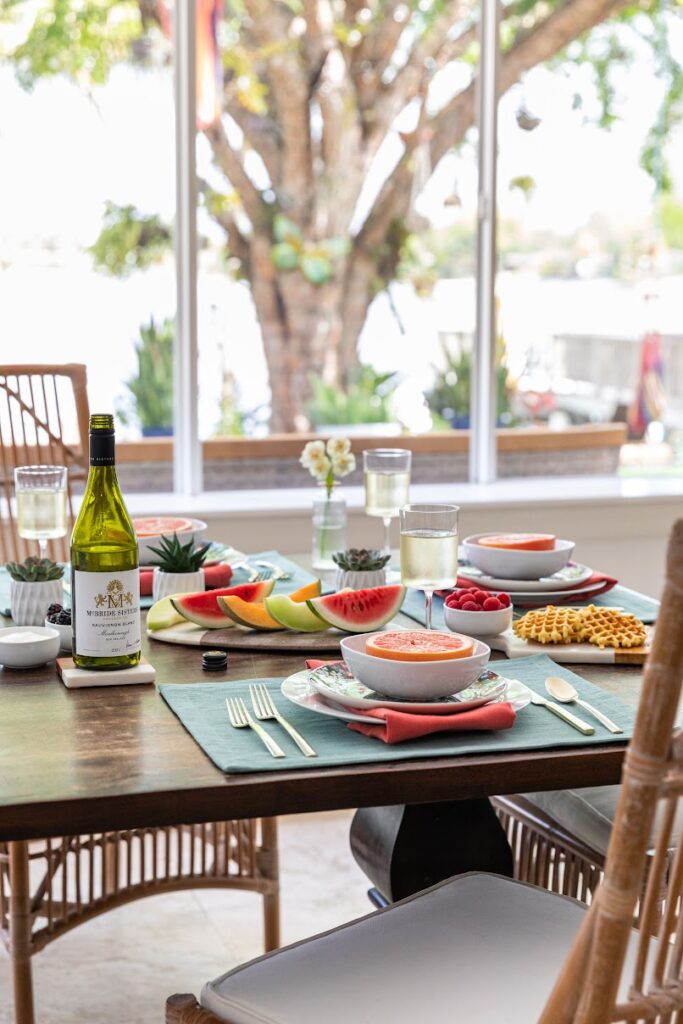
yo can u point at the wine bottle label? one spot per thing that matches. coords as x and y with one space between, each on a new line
107 613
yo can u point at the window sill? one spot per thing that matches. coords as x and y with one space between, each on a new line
529 491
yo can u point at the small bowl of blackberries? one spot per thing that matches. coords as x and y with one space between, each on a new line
59 618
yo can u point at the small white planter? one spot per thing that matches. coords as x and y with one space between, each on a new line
29 602
358 580
165 583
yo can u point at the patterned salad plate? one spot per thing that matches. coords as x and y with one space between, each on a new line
571 576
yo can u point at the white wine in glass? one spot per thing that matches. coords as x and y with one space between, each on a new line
41 503
429 549
386 473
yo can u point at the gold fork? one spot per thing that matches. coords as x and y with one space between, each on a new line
264 708
241 719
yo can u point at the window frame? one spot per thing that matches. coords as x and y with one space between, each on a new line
187 447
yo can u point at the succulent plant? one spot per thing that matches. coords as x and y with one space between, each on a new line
35 570
176 557
360 559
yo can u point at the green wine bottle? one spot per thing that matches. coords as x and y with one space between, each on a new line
105 580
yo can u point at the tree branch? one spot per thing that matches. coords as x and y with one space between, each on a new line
290 96
540 43
230 162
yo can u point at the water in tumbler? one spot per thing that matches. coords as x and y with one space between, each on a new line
385 493
429 559
41 513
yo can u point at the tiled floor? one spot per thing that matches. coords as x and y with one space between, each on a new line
121 966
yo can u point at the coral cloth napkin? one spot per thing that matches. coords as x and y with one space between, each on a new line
401 726
599 580
215 574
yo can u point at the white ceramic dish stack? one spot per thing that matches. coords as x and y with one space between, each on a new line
506 563
419 680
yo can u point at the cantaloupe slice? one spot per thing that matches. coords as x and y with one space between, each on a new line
252 614
304 593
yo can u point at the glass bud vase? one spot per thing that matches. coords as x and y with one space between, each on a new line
329 531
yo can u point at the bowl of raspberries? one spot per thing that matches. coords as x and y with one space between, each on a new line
478 612
59 618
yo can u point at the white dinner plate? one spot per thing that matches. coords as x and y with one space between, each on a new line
300 691
572 574
337 683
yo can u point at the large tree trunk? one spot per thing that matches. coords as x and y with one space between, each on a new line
303 326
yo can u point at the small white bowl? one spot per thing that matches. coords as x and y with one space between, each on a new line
65 634
477 623
146 556
418 680
42 646
506 564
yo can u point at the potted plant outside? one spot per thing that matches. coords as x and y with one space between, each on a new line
178 569
34 585
360 567
151 389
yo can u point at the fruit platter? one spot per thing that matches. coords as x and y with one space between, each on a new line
250 616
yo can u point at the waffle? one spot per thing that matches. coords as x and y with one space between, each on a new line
549 625
605 627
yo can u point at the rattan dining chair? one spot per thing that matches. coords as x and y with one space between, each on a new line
49 886
481 948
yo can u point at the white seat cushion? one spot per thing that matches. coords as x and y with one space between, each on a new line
477 949
588 813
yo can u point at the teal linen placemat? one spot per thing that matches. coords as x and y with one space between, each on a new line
201 709
644 608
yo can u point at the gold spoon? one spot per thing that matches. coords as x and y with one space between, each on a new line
563 691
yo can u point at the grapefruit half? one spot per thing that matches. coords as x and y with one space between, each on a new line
420 645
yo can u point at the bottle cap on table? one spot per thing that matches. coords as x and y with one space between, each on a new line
214 661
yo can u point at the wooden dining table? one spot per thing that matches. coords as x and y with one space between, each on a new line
117 757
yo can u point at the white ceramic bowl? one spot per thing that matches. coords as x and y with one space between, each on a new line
65 634
419 680
477 623
506 564
42 646
145 544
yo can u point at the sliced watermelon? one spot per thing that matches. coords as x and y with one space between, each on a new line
359 611
204 609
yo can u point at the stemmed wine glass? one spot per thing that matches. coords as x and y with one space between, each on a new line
429 549
386 472
41 503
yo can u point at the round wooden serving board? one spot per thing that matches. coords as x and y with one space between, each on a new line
236 639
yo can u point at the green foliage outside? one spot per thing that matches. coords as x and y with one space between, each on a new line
316 261
449 398
671 221
129 241
368 400
151 389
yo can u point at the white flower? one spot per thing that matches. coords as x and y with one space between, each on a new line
313 452
344 464
321 469
337 446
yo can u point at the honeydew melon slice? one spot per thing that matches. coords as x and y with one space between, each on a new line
162 615
294 614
